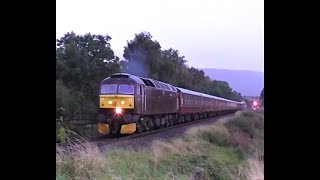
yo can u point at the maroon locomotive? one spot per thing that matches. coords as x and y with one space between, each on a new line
130 104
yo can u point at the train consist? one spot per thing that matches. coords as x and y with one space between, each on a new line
131 104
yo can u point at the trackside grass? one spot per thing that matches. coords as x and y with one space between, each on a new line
233 149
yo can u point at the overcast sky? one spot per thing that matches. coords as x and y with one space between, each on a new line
222 34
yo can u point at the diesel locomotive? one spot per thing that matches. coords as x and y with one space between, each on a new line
130 104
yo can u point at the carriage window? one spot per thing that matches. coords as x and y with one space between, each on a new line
108 88
125 89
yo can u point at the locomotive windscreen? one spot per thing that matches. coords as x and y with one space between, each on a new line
126 89
108 89
120 89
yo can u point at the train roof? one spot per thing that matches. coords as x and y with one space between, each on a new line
136 79
187 91
164 86
144 81
207 95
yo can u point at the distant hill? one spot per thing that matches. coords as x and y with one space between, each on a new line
248 83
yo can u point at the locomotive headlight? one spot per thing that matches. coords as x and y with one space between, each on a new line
122 102
109 102
118 110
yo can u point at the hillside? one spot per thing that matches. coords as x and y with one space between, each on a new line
248 83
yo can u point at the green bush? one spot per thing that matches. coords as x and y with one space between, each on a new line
216 135
249 122
244 124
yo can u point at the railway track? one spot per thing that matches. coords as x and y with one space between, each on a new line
106 140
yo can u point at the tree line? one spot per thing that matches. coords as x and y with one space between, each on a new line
82 61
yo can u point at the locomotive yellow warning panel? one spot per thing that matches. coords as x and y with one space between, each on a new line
113 101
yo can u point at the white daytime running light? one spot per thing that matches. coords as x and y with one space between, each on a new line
118 110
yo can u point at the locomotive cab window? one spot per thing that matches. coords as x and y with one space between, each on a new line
108 89
125 89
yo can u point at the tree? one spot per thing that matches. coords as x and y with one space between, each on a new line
81 63
173 67
143 55
262 96
86 58
62 98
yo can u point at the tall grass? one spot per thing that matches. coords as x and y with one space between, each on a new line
229 150
253 169
81 161
66 132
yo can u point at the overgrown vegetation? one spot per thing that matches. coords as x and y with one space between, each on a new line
230 150
65 132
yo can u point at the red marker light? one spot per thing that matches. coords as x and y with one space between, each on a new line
255 103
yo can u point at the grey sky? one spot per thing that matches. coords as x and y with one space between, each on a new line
222 34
